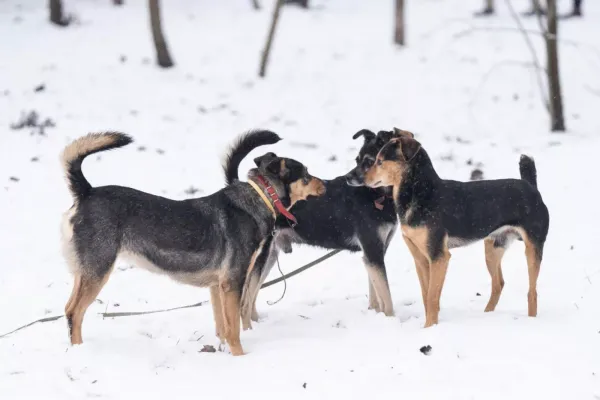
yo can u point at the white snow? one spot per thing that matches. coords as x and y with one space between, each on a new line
460 85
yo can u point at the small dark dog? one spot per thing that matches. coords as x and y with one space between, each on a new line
437 215
346 218
206 242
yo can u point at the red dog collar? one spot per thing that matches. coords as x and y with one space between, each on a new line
275 198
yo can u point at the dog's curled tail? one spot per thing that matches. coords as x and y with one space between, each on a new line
74 154
528 170
242 147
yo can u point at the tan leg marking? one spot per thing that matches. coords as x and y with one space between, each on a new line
437 271
382 290
533 268
84 293
230 300
493 258
422 267
215 300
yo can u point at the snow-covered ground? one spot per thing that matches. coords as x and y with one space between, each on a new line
461 85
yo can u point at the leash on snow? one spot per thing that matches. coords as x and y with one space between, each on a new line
133 313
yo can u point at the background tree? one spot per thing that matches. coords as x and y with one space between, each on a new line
56 13
399 31
556 104
267 50
163 57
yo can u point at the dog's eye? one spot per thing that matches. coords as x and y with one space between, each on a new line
306 180
379 162
368 162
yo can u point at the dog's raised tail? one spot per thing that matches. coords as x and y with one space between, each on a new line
242 147
73 155
528 170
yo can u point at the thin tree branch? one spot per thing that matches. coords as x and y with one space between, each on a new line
499 65
529 43
267 50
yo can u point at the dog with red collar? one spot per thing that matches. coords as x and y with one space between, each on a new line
211 241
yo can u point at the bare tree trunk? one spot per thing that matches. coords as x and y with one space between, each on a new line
267 50
162 52
56 13
488 9
556 105
256 4
399 31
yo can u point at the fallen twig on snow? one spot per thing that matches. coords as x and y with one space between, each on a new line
41 320
132 313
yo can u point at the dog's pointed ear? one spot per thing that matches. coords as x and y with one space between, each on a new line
262 159
408 148
277 167
364 132
384 136
403 133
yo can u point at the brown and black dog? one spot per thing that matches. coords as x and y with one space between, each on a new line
205 242
437 215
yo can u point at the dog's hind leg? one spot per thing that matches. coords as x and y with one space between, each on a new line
493 258
533 253
422 267
85 290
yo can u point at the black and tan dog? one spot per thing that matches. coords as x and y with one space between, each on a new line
437 215
206 242
345 218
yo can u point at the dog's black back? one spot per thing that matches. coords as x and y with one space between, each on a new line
343 218
470 211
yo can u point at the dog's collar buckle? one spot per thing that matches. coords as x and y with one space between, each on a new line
379 203
276 200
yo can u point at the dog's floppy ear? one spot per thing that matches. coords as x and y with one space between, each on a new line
364 132
277 167
403 133
262 159
408 147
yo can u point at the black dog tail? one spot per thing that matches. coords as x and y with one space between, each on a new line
74 154
242 147
528 170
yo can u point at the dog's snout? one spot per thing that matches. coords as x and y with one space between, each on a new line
353 179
